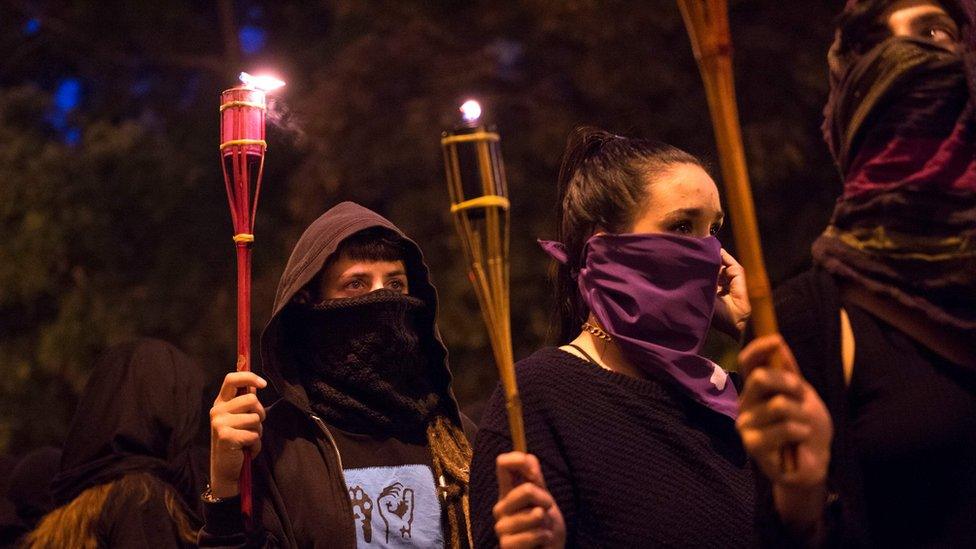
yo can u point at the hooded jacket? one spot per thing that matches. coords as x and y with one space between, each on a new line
300 494
140 414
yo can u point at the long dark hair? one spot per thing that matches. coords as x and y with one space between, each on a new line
603 184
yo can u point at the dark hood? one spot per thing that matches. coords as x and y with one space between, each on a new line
314 248
28 483
859 31
141 411
901 124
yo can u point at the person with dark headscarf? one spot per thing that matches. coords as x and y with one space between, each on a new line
883 328
28 489
132 464
366 445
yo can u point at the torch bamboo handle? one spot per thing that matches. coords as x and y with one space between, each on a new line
482 224
708 29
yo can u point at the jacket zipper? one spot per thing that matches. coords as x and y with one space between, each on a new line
332 442
342 474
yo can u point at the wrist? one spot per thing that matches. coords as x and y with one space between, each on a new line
801 508
224 489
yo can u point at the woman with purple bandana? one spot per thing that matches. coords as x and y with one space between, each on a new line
631 431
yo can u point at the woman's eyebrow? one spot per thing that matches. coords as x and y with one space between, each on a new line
693 213
932 17
689 212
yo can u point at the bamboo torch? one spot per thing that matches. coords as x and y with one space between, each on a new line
242 147
479 206
707 22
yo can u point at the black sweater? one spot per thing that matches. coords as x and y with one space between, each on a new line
902 459
631 462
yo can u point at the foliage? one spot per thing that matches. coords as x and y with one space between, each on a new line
126 232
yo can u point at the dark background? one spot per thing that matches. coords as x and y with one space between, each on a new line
113 218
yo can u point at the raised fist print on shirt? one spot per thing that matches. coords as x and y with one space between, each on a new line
396 504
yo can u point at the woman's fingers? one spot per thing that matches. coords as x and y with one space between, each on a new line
514 468
767 351
249 422
246 403
729 261
773 437
526 540
521 497
777 409
239 380
530 519
764 384
236 439
526 514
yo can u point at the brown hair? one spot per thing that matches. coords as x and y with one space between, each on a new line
75 524
603 185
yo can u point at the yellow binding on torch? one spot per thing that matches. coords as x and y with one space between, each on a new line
244 237
487 201
233 142
465 137
251 104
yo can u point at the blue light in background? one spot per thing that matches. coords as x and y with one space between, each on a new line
67 97
252 39
68 94
32 26
72 136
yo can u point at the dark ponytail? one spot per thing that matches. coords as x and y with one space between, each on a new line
602 186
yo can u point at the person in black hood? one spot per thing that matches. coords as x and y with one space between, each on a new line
881 332
28 480
129 470
366 446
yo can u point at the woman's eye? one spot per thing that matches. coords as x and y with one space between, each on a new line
682 227
395 285
942 35
354 284
714 229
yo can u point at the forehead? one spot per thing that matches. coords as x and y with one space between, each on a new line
344 265
903 11
684 186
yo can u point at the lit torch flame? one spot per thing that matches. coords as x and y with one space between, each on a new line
264 82
470 111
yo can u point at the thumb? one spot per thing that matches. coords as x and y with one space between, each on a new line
514 468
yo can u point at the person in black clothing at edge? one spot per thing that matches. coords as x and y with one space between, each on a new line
365 446
27 492
883 327
630 430
135 458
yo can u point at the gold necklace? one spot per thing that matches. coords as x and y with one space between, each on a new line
597 331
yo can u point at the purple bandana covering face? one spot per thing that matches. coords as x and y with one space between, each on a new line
655 294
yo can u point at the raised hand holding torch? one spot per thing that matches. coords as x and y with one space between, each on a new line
707 22
243 112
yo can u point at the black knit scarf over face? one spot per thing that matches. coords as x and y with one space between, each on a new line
364 366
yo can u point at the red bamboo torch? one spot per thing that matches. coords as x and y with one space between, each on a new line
242 146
